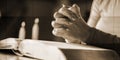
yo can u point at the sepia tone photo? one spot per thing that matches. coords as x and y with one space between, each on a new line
59 30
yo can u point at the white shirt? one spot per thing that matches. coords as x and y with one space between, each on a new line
105 16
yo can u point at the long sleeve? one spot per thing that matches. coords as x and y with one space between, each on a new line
104 40
95 13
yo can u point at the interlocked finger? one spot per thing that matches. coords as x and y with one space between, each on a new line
60 32
58 25
58 15
76 9
64 11
64 21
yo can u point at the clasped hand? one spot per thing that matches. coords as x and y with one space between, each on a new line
70 25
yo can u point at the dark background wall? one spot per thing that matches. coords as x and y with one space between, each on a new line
16 11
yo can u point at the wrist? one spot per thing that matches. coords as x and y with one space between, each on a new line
88 35
91 35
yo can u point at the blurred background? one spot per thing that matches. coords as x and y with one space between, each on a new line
13 12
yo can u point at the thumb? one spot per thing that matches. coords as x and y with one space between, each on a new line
76 9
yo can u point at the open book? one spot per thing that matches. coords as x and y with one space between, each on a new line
49 50
32 48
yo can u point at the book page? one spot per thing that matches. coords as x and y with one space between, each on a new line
49 50
63 45
40 50
9 43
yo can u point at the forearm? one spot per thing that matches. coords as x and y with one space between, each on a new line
102 39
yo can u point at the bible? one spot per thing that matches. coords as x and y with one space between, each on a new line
51 50
32 48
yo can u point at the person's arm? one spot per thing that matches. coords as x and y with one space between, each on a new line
104 40
94 14
71 26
